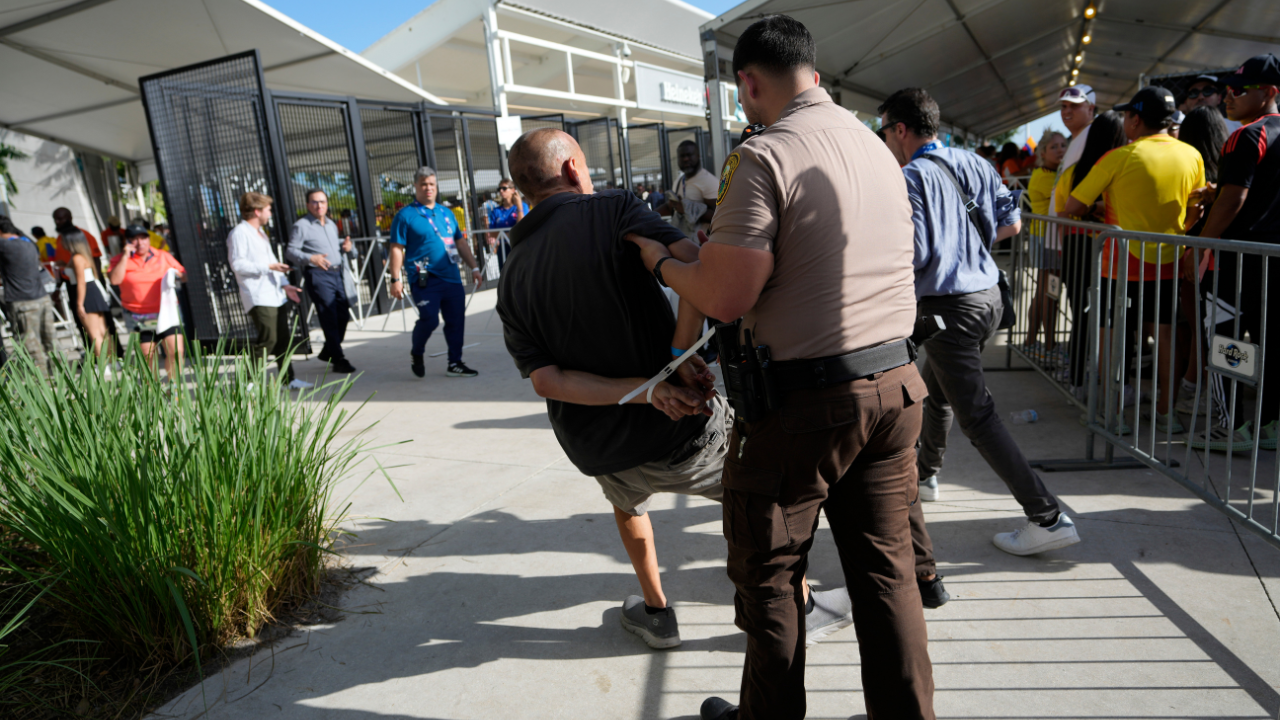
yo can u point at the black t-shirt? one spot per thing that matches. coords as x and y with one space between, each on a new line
20 270
1251 159
575 294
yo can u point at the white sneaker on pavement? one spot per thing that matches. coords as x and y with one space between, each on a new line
297 384
929 489
1031 538
832 611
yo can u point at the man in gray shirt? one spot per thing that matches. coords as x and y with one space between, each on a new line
26 295
314 247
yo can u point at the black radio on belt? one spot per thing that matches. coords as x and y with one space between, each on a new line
748 372
757 384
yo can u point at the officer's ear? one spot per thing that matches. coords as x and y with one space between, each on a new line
750 83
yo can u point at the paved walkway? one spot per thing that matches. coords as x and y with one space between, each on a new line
500 575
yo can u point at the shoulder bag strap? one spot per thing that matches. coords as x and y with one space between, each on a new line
970 205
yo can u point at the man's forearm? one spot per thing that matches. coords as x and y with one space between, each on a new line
583 388
464 249
1230 200
1008 231
396 262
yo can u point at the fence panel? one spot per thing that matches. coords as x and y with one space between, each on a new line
1177 372
209 130
648 150
599 144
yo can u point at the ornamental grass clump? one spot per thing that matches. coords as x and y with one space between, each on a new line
174 517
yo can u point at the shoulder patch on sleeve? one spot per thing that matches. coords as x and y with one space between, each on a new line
726 175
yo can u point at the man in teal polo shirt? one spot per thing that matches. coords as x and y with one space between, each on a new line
427 237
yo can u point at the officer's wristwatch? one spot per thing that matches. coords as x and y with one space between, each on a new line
657 271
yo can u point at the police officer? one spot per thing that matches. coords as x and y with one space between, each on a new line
812 242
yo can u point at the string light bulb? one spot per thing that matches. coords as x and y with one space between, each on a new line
1075 72
1072 83
1090 11
1086 39
1079 58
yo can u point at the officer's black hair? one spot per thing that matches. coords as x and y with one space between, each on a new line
777 45
914 108
688 142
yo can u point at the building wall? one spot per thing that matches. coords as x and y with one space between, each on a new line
46 180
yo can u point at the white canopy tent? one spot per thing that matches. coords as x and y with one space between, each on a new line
71 67
995 64
531 57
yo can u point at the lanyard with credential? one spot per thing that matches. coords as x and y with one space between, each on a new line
449 245
926 148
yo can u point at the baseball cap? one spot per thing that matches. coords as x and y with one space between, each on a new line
134 231
1205 78
114 221
1078 94
1152 103
1257 70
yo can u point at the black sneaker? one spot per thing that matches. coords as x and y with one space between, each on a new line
714 708
323 356
932 592
459 370
416 366
342 365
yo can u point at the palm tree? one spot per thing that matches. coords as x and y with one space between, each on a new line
8 187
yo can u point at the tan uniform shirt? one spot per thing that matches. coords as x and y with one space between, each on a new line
822 193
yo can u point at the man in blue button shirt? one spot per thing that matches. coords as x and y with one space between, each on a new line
957 278
427 237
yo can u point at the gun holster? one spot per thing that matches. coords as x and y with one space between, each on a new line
748 372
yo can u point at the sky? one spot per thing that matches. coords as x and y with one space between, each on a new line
357 31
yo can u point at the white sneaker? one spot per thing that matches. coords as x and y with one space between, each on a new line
832 611
297 384
929 489
1031 538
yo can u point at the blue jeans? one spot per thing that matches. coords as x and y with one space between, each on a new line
439 298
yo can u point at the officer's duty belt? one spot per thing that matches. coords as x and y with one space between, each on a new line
792 375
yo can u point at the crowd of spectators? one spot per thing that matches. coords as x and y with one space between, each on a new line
1205 165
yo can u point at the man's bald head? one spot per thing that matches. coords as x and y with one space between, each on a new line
547 161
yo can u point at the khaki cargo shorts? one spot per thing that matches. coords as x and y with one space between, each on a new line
692 470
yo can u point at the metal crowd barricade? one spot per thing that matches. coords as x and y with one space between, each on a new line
1204 296
1166 341
1049 281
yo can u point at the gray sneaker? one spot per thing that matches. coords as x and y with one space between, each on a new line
659 631
832 611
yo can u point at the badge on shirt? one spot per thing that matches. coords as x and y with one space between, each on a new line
726 176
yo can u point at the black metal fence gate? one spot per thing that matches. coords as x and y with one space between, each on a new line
218 132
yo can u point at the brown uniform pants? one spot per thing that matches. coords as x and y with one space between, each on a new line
848 449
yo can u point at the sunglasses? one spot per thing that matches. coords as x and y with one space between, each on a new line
1073 94
505 187
1205 92
1234 92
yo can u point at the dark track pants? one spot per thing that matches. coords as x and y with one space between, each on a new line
439 298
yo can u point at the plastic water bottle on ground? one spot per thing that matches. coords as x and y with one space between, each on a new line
1025 417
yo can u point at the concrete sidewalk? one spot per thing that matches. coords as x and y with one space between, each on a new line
500 577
